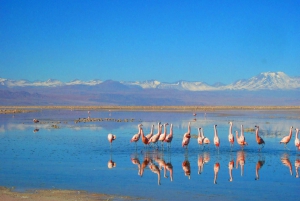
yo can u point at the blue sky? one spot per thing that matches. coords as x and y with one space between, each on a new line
210 41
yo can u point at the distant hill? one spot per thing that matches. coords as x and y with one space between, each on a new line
264 89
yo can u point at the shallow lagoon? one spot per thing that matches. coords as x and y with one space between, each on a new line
76 156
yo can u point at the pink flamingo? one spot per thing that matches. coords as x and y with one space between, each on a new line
230 135
205 140
151 133
155 137
241 140
200 137
259 140
169 137
35 121
136 137
145 140
187 136
216 138
111 138
297 141
287 139
162 137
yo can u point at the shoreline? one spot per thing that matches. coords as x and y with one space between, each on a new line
7 194
25 109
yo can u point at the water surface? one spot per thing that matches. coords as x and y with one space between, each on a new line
78 156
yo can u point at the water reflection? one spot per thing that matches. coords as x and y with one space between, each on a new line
230 167
286 161
259 164
186 166
202 160
240 159
136 161
297 165
154 168
216 171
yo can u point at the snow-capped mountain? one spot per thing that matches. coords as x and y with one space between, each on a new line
267 80
263 81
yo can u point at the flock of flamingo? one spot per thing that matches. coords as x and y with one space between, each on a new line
163 137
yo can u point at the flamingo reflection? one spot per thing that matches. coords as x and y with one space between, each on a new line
216 171
202 159
144 165
240 159
154 168
297 165
230 167
186 168
259 165
286 161
136 161
169 167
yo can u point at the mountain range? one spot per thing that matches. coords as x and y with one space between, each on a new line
268 88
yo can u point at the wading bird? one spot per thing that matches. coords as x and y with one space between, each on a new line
187 136
259 140
297 141
216 138
287 139
169 137
230 135
111 138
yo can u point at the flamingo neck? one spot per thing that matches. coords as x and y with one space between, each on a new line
291 132
171 130
216 132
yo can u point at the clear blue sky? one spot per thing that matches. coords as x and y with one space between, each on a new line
210 41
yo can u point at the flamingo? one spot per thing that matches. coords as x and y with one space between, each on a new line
145 140
169 137
136 137
155 137
259 140
216 138
162 137
35 121
230 135
297 141
287 139
216 170
111 138
241 140
230 167
200 137
187 136
205 140
151 133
